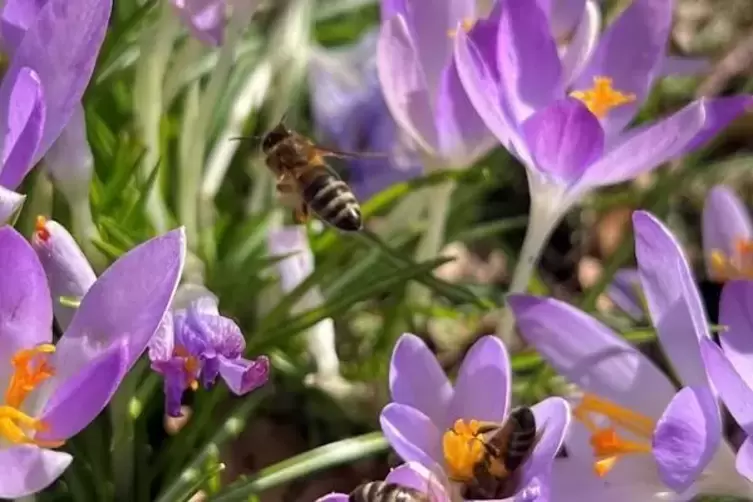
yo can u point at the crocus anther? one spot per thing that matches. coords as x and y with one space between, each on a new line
602 97
463 448
607 444
737 266
466 24
30 369
40 228
191 366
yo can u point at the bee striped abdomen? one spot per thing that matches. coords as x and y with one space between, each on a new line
522 438
381 491
333 201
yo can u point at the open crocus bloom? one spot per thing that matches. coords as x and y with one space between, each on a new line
629 411
51 392
432 422
727 236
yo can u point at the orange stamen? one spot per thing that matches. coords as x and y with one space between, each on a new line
41 229
602 97
190 366
463 448
737 266
466 25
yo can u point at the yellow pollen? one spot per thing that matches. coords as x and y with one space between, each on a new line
737 266
466 24
30 369
602 97
190 366
607 444
463 448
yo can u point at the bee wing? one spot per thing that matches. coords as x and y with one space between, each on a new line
326 152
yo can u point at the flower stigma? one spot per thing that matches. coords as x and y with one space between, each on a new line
739 265
463 448
607 444
466 25
602 97
30 369
40 228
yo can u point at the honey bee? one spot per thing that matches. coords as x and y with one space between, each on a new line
308 183
382 491
506 448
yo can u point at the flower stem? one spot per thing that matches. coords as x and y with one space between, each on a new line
85 232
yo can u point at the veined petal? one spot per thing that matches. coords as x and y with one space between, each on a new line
672 297
404 83
591 355
630 52
417 380
529 65
564 139
22 113
222 334
61 46
77 401
10 202
413 435
242 376
725 221
68 271
29 469
734 391
736 315
128 302
687 436
648 148
584 40
485 366
162 343
25 312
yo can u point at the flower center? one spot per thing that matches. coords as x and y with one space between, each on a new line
601 98
607 444
41 229
30 369
191 366
466 24
737 266
463 448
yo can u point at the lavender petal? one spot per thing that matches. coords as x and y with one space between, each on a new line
736 315
242 376
413 435
30 469
725 221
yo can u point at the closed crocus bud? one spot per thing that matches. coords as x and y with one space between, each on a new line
68 272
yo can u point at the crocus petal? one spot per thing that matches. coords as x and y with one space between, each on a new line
61 46
719 113
68 271
417 380
591 355
625 292
17 16
678 66
175 382
25 312
725 220
127 302
196 296
485 366
78 400
524 37
564 139
672 297
629 52
22 111
29 469
687 436
744 461
162 343
552 419
10 203
221 333
404 83
242 376
333 497
205 18
417 476
648 148
736 315
564 16
583 42
412 435
70 161
736 394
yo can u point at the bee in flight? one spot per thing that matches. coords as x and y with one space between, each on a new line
506 448
307 182
382 491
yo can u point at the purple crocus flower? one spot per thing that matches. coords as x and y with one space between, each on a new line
54 391
425 407
350 113
69 273
409 475
727 236
206 19
731 367
629 410
625 292
196 343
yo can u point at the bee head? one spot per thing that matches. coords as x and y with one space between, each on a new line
275 136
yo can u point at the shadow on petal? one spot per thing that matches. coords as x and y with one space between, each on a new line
28 470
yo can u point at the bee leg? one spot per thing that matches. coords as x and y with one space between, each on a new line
301 214
283 185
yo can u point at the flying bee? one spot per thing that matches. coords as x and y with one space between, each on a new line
308 183
506 448
382 491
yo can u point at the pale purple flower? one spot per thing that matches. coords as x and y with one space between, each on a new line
625 292
410 475
351 115
630 411
196 344
61 389
425 406
731 367
206 18
727 233
69 273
